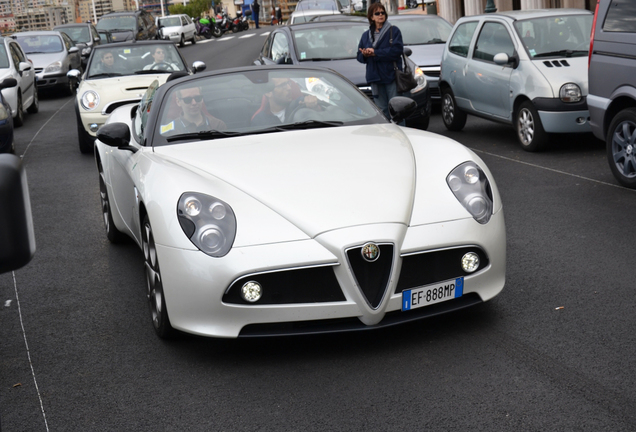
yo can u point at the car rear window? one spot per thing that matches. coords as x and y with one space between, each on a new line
620 17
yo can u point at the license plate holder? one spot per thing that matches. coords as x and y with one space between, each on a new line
430 294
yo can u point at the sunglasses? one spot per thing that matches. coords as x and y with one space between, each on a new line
188 99
379 13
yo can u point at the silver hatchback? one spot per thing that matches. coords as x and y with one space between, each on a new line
525 68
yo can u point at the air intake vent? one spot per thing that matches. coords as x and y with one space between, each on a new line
372 277
556 63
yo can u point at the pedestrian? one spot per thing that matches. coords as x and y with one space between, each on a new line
256 8
279 15
380 48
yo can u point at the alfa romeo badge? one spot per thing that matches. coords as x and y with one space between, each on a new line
370 252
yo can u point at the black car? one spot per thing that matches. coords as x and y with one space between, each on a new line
128 25
84 35
334 45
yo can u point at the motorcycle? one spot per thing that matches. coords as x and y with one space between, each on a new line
245 24
236 23
223 22
207 28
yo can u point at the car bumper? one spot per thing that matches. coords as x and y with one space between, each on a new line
173 38
565 121
51 80
597 106
195 285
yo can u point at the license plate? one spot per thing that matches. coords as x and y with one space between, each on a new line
430 294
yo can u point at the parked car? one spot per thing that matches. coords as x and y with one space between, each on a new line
84 35
7 144
370 224
334 44
612 79
14 64
301 16
53 54
426 36
328 5
128 25
177 28
105 36
109 83
524 68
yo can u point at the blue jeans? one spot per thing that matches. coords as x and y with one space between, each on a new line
255 16
382 94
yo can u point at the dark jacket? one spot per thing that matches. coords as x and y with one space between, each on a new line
388 50
256 8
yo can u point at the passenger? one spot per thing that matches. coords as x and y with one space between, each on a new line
280 104
193 117
107 62
160 63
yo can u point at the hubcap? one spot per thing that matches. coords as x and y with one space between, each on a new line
623 143
448 109
153 277
526 127
104 199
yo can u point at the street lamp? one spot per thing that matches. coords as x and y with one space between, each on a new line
490 7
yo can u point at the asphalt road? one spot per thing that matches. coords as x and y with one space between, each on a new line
554 351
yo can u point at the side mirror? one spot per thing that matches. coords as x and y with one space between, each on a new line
17 237
115 135
198 66
8 83
97 40
401 107
502 59
73 50
24 66
74 73
408 51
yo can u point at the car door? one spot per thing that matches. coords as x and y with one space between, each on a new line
25 73
487 83
455 61
188 26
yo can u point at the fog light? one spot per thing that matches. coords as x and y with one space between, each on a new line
251 291
470 262
581 120
94 127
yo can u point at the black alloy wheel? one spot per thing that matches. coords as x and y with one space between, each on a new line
453 117
19 117
621 147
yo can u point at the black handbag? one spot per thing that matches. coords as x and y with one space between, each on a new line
404 80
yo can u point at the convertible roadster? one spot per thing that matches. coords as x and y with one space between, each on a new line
279 201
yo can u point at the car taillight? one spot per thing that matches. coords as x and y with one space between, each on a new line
589 54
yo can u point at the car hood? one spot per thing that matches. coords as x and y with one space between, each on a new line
316 173
120 88
352 69
45 59
559 71
171 29
427 55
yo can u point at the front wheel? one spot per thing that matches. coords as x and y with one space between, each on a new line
217 32
154 284
530 132
182 41
207 34
112 233
453 117
235 29
621 147
19 117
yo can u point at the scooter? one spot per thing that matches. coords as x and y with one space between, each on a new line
223 22
245 25
236 23
203 29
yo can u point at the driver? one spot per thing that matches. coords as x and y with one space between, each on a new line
279 104
193 117
107 62
160 63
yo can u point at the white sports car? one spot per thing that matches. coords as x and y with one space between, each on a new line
279 200
118 74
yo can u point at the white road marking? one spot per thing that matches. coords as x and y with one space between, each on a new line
226 38
205 41
265 34
7 303
247 36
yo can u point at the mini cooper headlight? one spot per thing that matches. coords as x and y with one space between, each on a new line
4 113
86 51
53 67
89 100
419 76
570 92
471 187
208 222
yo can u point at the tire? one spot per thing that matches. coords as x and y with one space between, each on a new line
154 285
530 132
19 117
194 39
453 117
621 147
112 233
235 29
207 34
216 32
182 41
85 140
35 105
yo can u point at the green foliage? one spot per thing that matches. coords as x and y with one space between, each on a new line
195 8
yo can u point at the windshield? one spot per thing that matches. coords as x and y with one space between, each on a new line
77 34
556 36
121 23
328 43
114 60
260 101
174 21
40 44
4 60
424 31
317 4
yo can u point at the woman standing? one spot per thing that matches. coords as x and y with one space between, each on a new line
380 48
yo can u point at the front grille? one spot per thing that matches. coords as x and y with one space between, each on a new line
432 74
38 70
372 277
429 267
306 285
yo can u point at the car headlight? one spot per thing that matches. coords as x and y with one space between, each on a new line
4 113
471 187
173 34
208 222
54 67
89 100
86 51
570 92
420 78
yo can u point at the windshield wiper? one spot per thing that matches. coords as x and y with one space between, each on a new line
307 124
209 134
105 74
318 59
120 30
153 71
561 53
